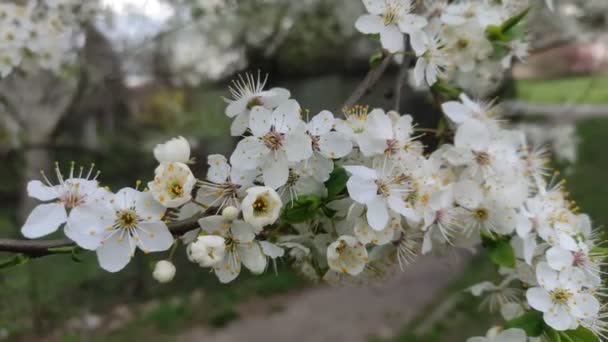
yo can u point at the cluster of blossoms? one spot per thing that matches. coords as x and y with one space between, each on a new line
44 33
449 40
350 197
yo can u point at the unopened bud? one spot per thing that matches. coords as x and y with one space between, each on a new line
164 271
230 213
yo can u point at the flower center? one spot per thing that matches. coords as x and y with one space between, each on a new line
72 199
273 140
560 296
175 190
256 101
393 13
462 44
481 214
579 258
260 206
126 219
383 188
392 146
482 158
292 178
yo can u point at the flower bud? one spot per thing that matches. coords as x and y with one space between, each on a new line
207 250
164 271
230 213
261 206
174 150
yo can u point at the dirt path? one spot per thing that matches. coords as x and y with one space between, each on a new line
341 313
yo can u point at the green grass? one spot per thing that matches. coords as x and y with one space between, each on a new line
585 183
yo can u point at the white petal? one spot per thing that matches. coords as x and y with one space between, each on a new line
392 39
375 6
547 277
511 335
539 299
411 23
456 111
214 225
286 116
404 128
248 153
529 248
275 171
44 220
379 125
271 250
240 124
252 257
419 70
369 23
397 204
584 306
237 107
319 167
125 198
275 97
362 190
567 242
260 121
37 189
219 170
361 171
321 123
377 213
228 269
558 258
242 231
431 75
524 226
473 135
148 208
113 255
419 43
298 146
468 194
154 237
87 225
558 318
335 145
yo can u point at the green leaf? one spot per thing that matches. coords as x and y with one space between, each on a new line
500 251
302 209
336 183
531 322
14 261
552 335
375 59
495 34
445 89
581 334
62 250
514 20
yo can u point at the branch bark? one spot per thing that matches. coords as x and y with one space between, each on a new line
40 248
559 112
368 82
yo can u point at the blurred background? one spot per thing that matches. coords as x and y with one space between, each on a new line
153 69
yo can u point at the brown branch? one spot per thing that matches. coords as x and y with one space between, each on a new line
369 81
401 76
39 248
559 112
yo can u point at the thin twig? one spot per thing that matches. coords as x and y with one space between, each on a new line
39 248
369 81
401 76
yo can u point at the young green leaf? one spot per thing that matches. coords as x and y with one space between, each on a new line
500 251
531 322
336 183
302 209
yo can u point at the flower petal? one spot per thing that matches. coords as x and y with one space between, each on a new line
275 171
37 189
369 23
392 39
252 257
335 145
154 237
115 253
539 299
44 220
377 213
362 190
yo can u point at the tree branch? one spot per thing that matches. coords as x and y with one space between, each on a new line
39 248
369 81
558 112
403 70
